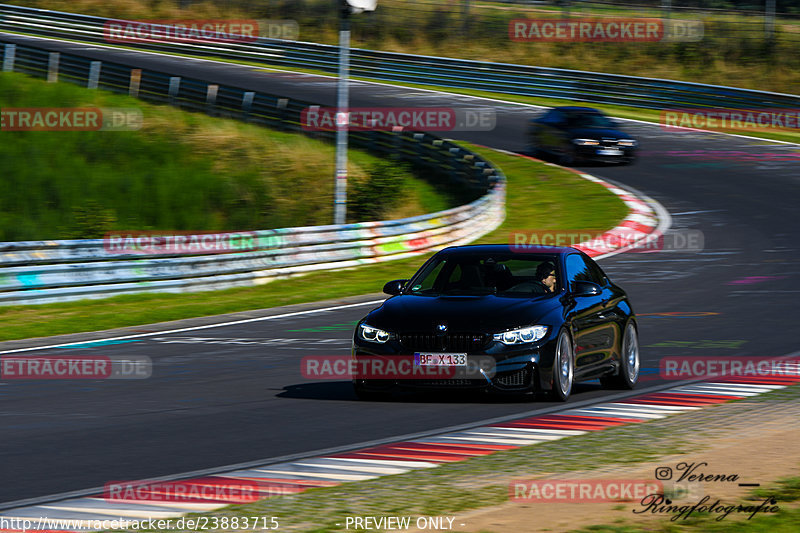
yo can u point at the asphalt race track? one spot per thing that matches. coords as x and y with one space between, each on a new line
233 394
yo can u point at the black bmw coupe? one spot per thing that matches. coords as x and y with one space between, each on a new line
499 318
575 134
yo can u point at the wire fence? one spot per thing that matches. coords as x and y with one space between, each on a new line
747 17
729 18
489 21
738 44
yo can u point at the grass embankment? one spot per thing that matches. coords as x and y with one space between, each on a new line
451 489
733 51
181 171
536 194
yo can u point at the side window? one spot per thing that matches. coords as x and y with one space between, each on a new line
597 273
429 279
580 269
577 269
455 275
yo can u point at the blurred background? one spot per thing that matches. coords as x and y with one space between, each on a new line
748 44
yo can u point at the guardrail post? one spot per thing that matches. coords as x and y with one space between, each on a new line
52 67
479 169
372 137
769 20
419 144
8 57
174 87
94 74
397 142
281 106
136 81
314 133
211 99
456 156
470 175
247 105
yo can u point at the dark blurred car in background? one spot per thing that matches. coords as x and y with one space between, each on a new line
575 134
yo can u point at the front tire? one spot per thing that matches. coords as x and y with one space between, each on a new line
569 157
563 368
630 362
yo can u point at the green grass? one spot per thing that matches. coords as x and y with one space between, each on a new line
535 196
181 171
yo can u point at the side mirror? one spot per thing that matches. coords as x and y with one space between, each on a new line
395 286
585 288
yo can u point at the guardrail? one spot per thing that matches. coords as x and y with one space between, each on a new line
454 73
53 271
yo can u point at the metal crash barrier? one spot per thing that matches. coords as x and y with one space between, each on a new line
56 271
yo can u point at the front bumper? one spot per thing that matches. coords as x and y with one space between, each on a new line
605 153
515 369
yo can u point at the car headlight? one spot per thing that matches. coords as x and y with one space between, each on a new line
586 142
627 142
521 335
368 333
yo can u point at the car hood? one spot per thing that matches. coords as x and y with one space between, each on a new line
489 313
598 133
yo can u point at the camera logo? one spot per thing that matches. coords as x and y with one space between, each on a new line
663 473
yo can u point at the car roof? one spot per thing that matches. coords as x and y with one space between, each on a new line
489 249
575 109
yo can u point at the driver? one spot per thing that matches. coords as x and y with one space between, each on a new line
546 276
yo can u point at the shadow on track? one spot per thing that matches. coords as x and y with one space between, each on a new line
343 391
587 163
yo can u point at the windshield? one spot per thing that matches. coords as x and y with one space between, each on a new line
513 275
590 120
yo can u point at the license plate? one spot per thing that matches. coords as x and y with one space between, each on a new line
440 359
609 151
